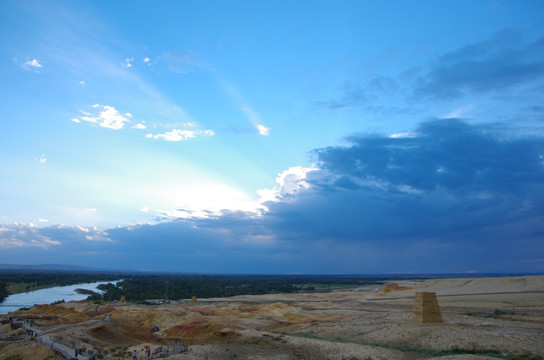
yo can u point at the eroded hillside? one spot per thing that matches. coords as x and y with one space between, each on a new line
497 317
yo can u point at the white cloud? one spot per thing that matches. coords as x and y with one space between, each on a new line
460 112
255 118
24 235
92 233
403 135
42 159
82 228
409 189
82 82
207 132
147 60
139 126
293 179
263 130
248 111
98 235
128 62
32 65
289 182
105 116
184 214
48 241
174 135
179 134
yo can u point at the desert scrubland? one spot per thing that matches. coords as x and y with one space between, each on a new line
483 318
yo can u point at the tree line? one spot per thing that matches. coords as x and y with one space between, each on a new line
3 291
141 288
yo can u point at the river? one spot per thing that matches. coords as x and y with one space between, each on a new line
47 296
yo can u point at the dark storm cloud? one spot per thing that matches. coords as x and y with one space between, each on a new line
504 61
449 182
464 191
445 197
449 196
234 242
447 167
449 154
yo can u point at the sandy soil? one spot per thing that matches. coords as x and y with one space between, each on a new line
485 318
29 351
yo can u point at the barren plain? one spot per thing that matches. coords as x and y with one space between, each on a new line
483 318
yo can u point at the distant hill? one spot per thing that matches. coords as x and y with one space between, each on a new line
55 267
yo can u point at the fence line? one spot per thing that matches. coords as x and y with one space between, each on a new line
59 348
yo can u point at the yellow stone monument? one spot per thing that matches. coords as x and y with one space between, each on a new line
426 309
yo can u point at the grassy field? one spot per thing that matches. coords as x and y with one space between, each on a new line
19 287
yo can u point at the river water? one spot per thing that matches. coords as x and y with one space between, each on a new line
47 296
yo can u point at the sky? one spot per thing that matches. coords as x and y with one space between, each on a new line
273 137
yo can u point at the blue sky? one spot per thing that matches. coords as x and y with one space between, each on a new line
273 137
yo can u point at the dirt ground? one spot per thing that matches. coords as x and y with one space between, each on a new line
30 350
483 318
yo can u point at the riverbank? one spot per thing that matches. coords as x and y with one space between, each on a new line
18 281
16 288
47 296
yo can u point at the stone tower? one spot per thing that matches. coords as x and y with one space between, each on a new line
426 309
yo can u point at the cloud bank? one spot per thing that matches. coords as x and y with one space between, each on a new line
441 199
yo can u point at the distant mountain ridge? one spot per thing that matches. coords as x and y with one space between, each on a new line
58 267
